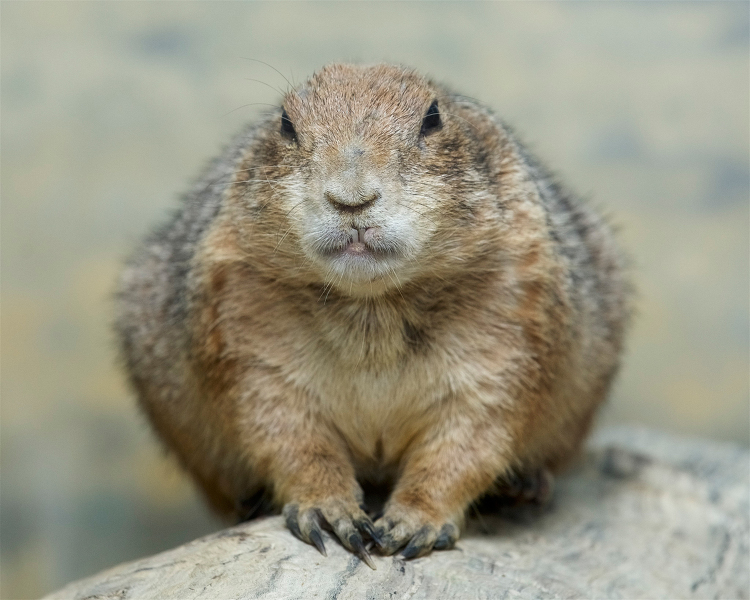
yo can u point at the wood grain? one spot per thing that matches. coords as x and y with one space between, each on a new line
644 515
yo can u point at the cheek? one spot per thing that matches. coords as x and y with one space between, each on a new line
297 201
420 206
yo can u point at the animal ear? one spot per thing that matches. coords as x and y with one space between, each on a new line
431 121
287 127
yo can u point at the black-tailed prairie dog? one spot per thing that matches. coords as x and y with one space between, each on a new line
374 283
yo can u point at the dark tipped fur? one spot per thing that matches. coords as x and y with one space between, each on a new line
377 282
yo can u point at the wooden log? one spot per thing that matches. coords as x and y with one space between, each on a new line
644 515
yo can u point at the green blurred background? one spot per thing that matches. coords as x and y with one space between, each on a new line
108 111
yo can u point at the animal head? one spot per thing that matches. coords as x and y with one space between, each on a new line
368 177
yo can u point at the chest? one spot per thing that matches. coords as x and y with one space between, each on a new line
377 376
382 375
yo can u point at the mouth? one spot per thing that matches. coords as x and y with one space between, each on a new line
357 243
358 254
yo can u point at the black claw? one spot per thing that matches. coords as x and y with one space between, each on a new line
317 539
369 529
417 544
367 559
447 537
410 551
291 513
358 546
390 545
355 542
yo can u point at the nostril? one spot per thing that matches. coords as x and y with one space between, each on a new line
332 199
353 203
369 198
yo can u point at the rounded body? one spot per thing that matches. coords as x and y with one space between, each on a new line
374 283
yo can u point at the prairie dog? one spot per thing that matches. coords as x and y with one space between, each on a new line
375 282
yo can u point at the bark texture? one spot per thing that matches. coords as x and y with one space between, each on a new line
643 515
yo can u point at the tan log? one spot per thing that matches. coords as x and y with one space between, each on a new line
644 515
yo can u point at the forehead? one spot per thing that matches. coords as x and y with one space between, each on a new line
363 97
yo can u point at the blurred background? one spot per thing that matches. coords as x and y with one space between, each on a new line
107 111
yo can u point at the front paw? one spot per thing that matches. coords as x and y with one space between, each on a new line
345 519
411 527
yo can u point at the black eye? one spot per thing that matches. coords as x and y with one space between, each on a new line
431 121
287 129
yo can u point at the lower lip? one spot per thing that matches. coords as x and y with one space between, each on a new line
357 249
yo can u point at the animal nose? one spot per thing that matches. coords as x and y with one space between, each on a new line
355 202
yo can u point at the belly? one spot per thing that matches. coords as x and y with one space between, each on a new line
378 414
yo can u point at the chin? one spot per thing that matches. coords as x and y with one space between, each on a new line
363 274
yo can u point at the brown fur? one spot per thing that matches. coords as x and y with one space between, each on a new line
479 343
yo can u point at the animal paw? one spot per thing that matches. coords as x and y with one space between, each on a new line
344 519
402 526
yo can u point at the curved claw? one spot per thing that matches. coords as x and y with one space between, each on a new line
410 551
291 516
389 544
360 550
447 537
306 527
413 534
367 527
317 539
346 523
421 543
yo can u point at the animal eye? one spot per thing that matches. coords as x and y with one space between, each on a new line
431 121
287 128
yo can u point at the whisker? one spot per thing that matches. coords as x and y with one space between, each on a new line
472 99
277 90
270 66
465 120
330 287
364 334
249 104
421 214
399 285
283 237
240 182
325 282
255 168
